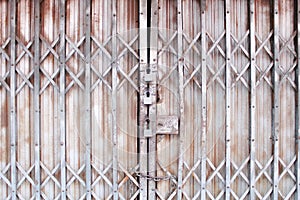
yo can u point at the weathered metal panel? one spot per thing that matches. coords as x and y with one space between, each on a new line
71 99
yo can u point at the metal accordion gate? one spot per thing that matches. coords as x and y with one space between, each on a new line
149 99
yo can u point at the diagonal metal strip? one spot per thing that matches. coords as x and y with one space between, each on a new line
192 76
191 172
50 49
240 75
102 175
75 175
101 48
50 79
263 170
74 48
2 49
101 78
128 46
132 71
25 49
215 171
216 76
128 78
286 75
128 175
191 43
25 80
75 78
3 177
286 44
167 43
216 44
287 169
263 75
239 44
239 171
50 175
25 175
263 44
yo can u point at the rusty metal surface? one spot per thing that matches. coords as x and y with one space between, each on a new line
120 147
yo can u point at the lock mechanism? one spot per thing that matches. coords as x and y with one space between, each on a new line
148 98
149 76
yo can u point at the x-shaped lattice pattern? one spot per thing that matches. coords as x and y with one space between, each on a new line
215 174
260 46
6 57
25 51
50 50
4 176
239 173
214 46
289 51
264 175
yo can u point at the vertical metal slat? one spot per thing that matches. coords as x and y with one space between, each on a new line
203 100
13 118
252 99
181 96
227 99
87 95
62 107
142 108
36 98
297 134
114 99
152 108
275 110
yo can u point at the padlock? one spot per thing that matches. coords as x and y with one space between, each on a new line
148 98
149 77
147 132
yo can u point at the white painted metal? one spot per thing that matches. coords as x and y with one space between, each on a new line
143 160
114 100
152 108
203 100
252 100
276 103
297 125
36 99
13 117
228 99
200 83
180 66
87 94
62 107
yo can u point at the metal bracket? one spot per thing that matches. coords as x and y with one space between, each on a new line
167 124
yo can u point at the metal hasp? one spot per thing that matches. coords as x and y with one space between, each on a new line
167 124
